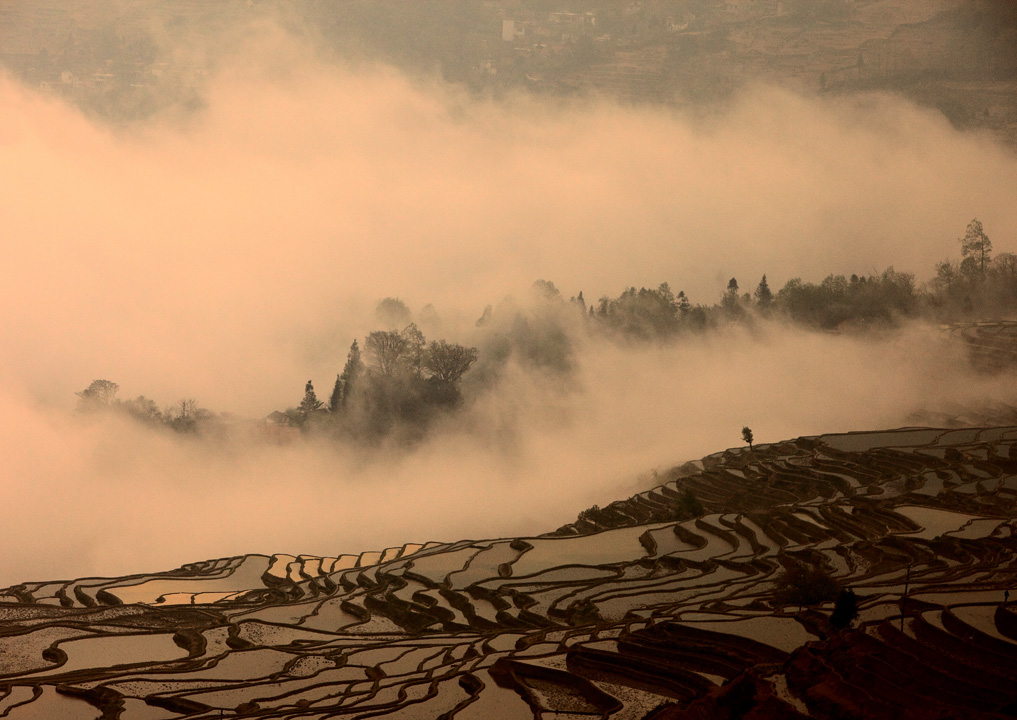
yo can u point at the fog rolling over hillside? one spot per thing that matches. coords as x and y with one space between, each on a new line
232 252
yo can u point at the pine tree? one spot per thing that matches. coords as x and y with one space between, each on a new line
763 295
310 403
730 301
335 400
347 380
976 245
684 306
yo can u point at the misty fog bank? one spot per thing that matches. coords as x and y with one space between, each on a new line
231 257
304 192
108 496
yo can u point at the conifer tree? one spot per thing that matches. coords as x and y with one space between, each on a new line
763 295
730 301
310 403
335 400
347 380
976 245
684 306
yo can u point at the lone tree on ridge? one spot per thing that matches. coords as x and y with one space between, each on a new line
100 394
747 435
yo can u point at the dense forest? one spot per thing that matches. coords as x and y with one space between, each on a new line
398 384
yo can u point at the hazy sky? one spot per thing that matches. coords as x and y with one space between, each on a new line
234 255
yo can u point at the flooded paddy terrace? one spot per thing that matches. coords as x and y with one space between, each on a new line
633 607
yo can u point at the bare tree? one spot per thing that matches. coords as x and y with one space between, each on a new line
449 362
184 415
386 350
188 409
1005 266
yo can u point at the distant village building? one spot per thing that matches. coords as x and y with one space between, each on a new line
675 25
571 18
280 419
753 8
513 30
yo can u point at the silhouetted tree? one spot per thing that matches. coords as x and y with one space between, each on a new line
763 295
429 317
684 306
335 400
449 361
976 245
347 380
690 505
947 275
806 585
386 350
545 290
1005 266
310 403
644 313
730 301
143 409
184 416
99 395
845 610
747 435
392 313
581 302
415 347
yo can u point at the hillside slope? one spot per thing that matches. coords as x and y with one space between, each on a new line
651 611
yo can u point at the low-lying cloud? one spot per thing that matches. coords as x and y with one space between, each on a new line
106 496
232 256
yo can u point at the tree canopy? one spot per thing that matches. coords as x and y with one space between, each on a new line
976 245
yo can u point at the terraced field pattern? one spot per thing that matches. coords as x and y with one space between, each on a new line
637 610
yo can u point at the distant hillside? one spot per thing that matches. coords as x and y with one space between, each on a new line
126 60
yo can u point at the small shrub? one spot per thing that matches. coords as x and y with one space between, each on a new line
690 505
846 609
805 585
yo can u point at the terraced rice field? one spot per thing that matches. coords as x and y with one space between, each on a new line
634 611
992 344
